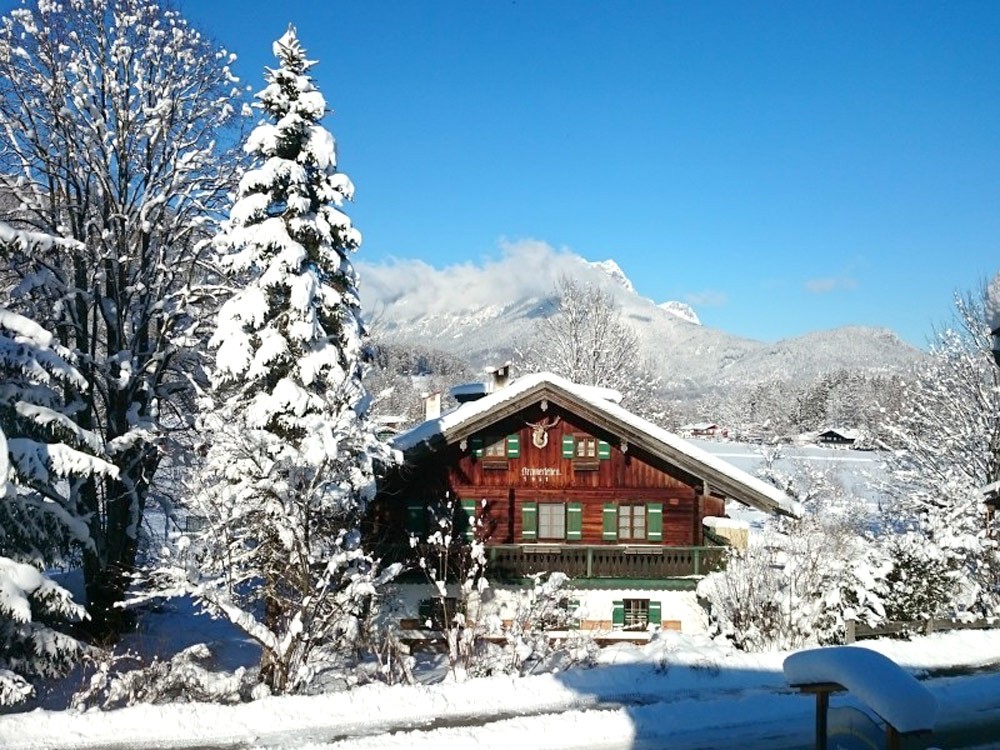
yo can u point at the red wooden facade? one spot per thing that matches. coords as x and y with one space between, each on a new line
547 476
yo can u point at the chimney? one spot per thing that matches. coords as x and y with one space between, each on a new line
432 405
501 377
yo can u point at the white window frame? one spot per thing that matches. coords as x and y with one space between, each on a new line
636 614
628 514
551 521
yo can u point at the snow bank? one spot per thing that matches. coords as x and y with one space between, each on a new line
717 522
891 692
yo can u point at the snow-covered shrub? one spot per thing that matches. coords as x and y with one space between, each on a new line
799 580
482 637
187 677
921 580
393 661
943 560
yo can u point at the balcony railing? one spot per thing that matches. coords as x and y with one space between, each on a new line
605 561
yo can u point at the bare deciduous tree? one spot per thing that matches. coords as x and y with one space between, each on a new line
110 111
588 342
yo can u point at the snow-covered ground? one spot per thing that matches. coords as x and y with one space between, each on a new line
680 691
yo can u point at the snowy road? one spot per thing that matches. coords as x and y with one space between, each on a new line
754 720
682 692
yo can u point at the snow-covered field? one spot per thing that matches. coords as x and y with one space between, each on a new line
680 691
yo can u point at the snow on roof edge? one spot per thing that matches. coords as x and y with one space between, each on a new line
599 399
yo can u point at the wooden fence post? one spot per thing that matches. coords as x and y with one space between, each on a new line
850 631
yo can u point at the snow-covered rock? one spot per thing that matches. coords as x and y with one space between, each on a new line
682 310
614 271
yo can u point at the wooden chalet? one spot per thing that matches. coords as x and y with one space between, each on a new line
559 476
837 436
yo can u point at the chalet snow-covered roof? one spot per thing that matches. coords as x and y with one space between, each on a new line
599 406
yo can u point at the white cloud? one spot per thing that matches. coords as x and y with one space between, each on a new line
707 298
524 269
831 284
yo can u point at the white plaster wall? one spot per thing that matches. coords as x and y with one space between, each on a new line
403 601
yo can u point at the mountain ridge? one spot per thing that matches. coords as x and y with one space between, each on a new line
490 314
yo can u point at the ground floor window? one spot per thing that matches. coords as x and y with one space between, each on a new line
438 613
551 521
636 613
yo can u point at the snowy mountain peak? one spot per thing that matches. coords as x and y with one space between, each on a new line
682 310
613 270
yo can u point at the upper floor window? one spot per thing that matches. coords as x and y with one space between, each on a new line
631 522
551 521
586 447
494 450
496 447
585 451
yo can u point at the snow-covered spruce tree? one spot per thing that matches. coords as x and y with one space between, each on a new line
290 451
43 454
111 115
945 446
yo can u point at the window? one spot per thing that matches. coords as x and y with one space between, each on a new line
438 613
551 521
636 612
585 454
586 448
495 452
496 447
632 522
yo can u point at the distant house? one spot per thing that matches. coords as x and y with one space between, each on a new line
838 437
559 477
703 429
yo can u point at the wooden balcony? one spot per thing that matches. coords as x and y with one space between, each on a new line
644 562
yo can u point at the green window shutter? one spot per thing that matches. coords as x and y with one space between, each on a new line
529 521
610 522
416 518
618 613
568 446
574 521
573 620
603 450
476 444
513 446
469 506
655 613
654 522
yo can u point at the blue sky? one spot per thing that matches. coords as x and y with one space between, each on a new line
782 166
